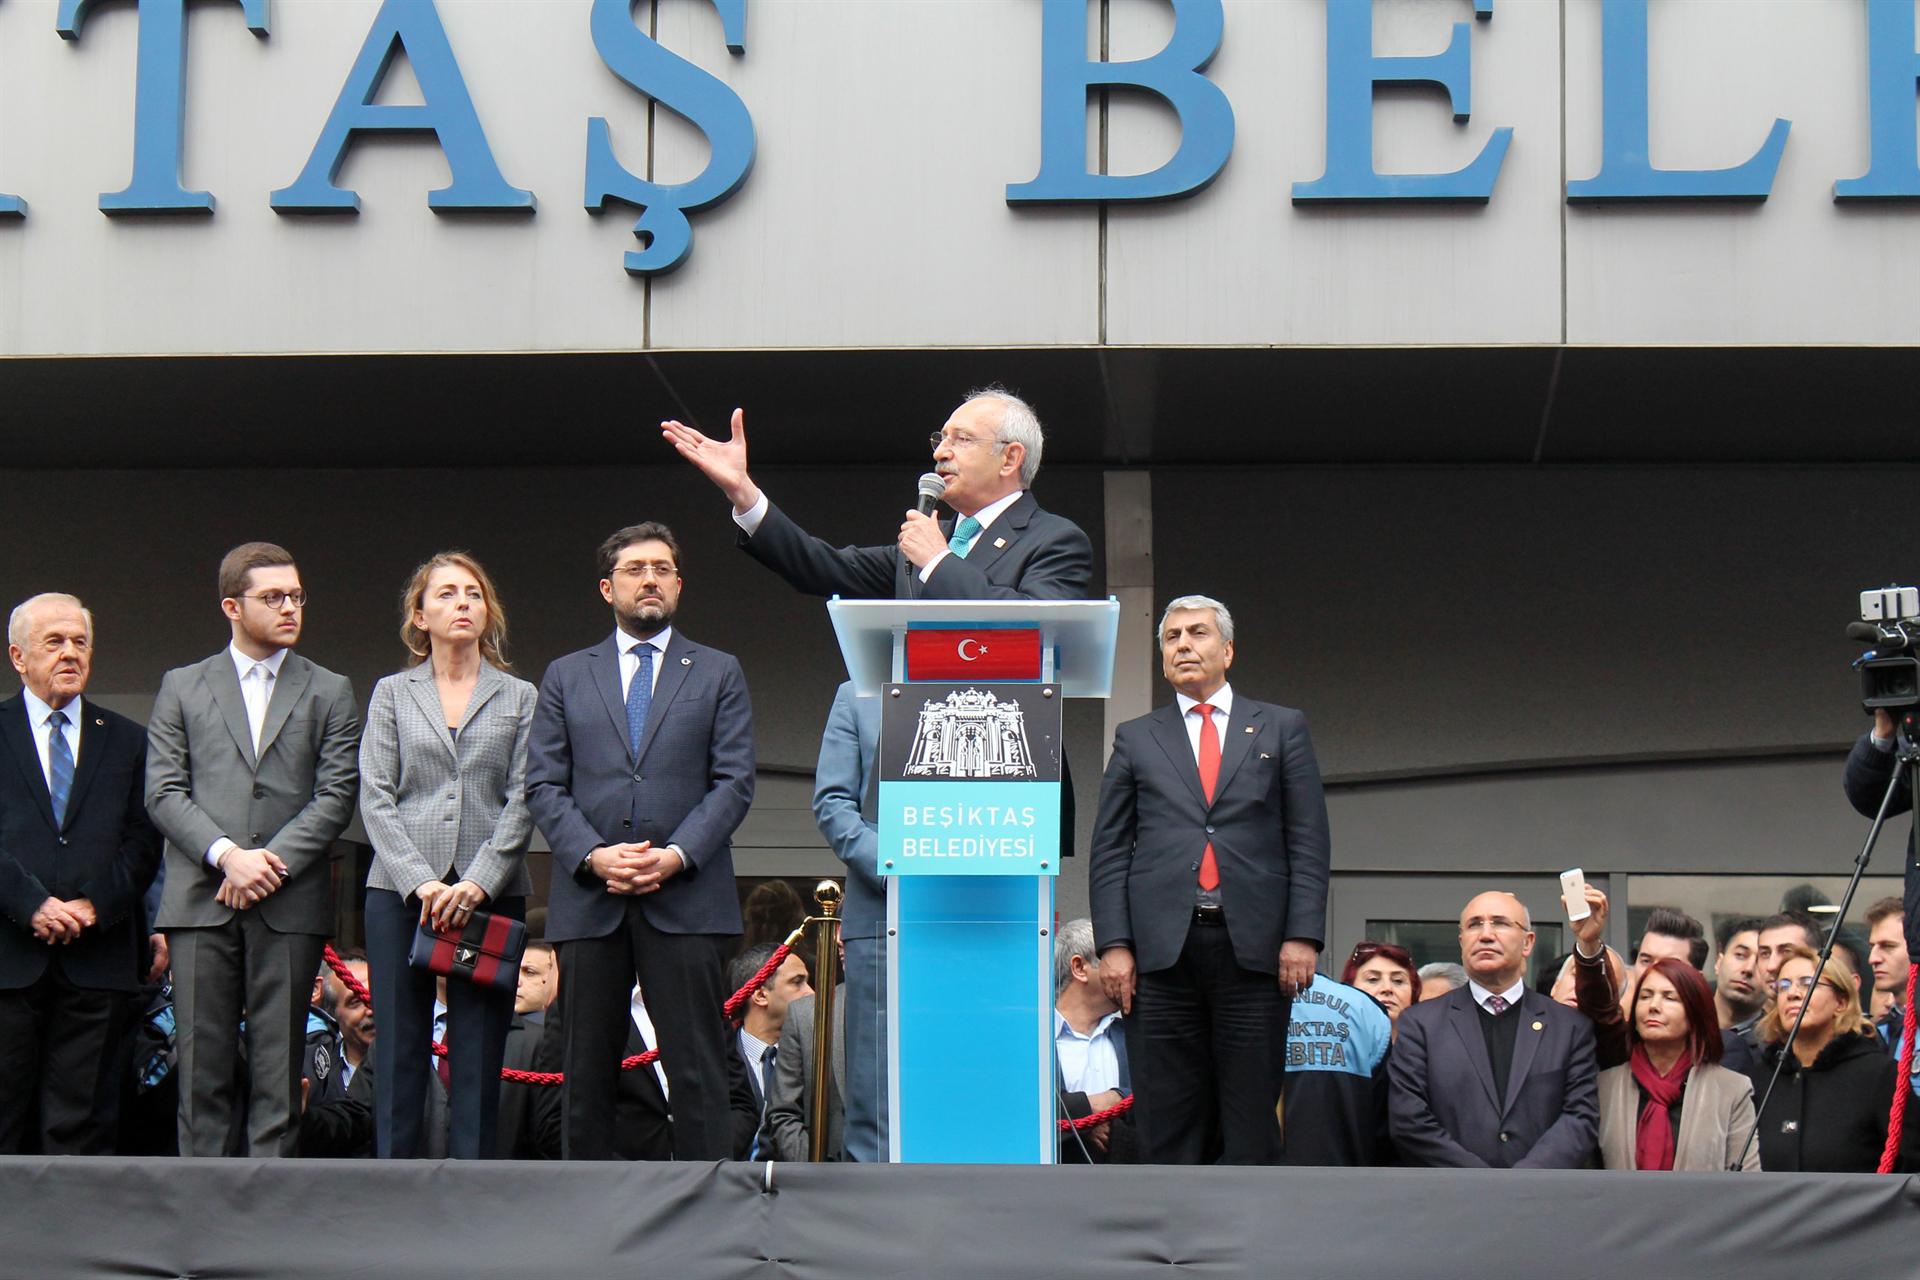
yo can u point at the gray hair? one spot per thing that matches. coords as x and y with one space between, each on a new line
1452 974
1018 425
22 616
1221 616
1074 938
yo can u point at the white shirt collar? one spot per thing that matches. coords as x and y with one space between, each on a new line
38 711
1063 1028
623 643
243 664
1221 702
993 510
1511 995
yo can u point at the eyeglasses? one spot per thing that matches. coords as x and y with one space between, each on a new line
1499 924
274 599
1784 985
636 572
961 442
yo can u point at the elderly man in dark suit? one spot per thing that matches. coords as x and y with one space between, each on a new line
1494 1074
1209 891
640 768
76 853
1003 546
251 776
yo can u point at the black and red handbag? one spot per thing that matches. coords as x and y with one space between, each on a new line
485 952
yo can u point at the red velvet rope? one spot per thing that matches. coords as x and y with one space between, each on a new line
1119 1108
515 1076
1902 1081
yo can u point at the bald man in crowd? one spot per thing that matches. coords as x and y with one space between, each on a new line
1494 1074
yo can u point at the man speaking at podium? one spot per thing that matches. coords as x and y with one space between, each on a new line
1002 547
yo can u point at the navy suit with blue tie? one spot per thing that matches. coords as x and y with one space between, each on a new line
673 765
74 828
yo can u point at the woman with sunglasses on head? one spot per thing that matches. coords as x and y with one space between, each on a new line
1671 1106
1385 972
1829 1111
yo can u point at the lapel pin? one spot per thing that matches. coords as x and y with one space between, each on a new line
1249 729
998 543
1539 1026
100 722
686 662
1265 756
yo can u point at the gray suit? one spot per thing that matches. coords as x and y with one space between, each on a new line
433 806
447 806
295 796
788 1111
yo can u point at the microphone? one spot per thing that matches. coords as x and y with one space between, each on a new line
932 485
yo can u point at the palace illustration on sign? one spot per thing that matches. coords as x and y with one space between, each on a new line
970 734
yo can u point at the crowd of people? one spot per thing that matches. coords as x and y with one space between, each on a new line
166 892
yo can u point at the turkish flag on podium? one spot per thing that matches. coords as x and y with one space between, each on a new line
973 653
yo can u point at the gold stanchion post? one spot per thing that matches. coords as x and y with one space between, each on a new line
826 964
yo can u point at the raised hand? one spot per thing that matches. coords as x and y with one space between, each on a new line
722 461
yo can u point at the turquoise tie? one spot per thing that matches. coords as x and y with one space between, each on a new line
963 535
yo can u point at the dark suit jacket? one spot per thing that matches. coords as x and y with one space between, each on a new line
295 798
1027 554
106 851
642 1121
514 1136
1441 1104
1267 822
1868 772
690 786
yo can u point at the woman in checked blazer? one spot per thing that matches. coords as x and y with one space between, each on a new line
443 767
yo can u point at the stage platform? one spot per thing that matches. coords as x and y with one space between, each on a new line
296 1219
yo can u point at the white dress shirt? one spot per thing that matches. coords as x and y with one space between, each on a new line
1511 995
644 1020
1222 704
1089 1063
749 522
257 680
37 713
630 657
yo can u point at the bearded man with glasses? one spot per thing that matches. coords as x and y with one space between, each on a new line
252 773
1493 1074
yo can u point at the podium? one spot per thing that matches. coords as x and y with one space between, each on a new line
969 802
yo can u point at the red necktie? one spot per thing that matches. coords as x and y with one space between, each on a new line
1209 776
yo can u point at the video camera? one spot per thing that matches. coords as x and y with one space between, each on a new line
1889 672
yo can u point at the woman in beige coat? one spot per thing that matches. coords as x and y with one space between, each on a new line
1671 1105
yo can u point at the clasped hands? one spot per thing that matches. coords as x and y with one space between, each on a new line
60 920
634 868
446 905
251 876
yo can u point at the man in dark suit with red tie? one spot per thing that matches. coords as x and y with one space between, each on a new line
77 851
1209 888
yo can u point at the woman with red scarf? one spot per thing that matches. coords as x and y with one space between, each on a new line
1672 1105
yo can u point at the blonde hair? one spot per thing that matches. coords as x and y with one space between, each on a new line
1849 1019
493 637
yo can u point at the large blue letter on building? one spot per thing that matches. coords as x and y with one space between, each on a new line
1893 171
1626 165
1353 71
707 103
1066 77
159 104
412 27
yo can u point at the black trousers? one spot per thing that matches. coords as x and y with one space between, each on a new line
681 979
477 1023
59 1047
1207 1042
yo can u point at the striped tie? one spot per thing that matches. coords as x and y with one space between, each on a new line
59 766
